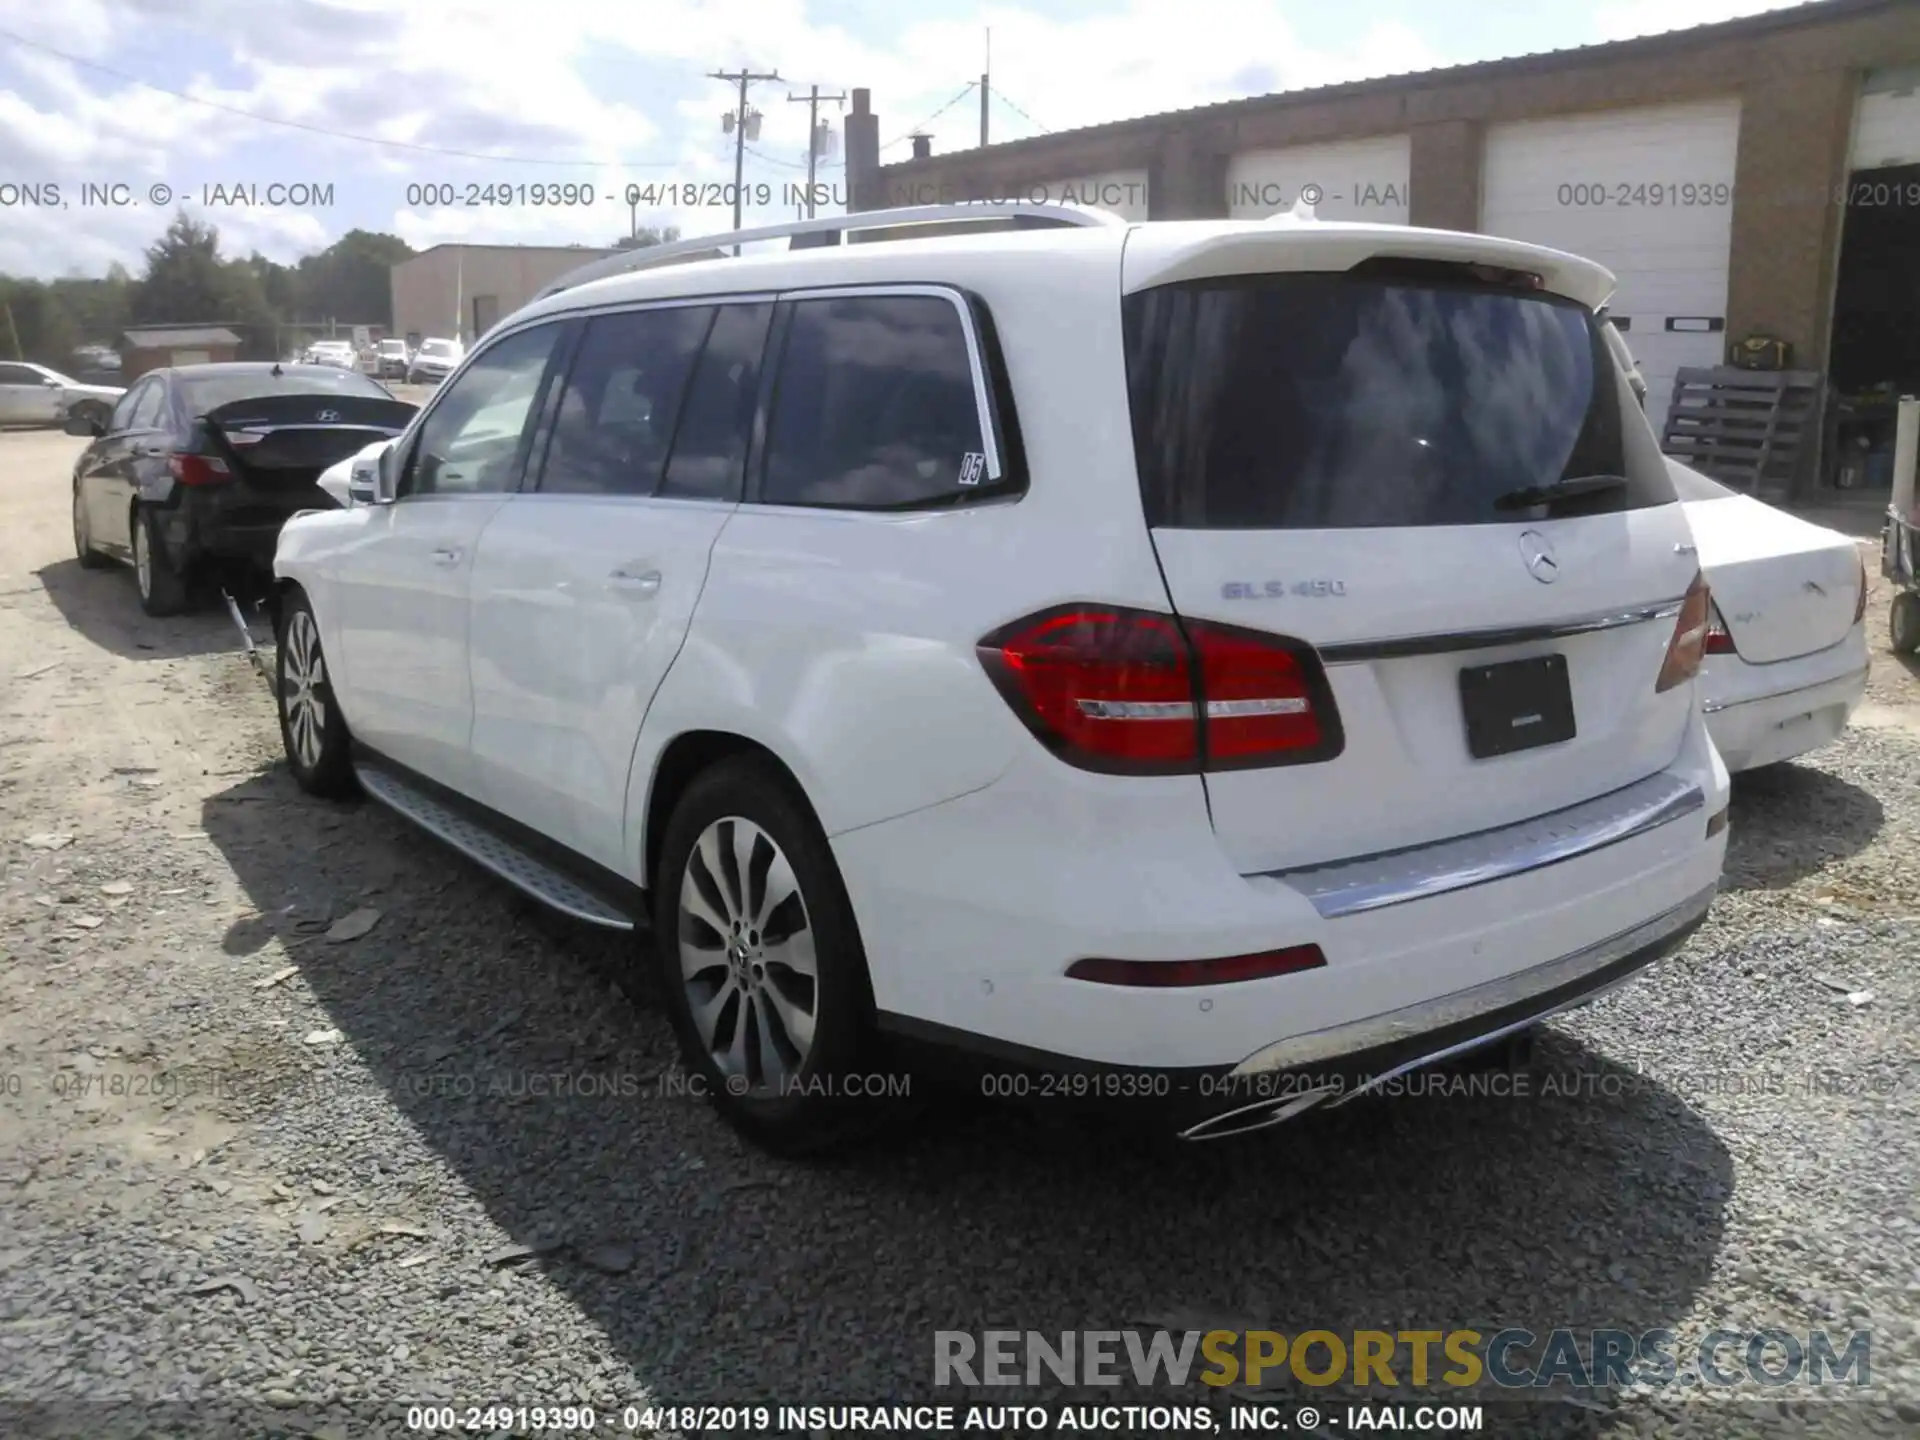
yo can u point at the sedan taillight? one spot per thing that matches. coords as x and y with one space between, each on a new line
1860 605
1719 639
1689 643
198 469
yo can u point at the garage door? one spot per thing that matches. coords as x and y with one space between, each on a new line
1124 192
1649 194
1355 180
1886 126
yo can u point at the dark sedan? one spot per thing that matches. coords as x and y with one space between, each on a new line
199 466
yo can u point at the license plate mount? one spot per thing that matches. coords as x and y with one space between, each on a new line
1516 705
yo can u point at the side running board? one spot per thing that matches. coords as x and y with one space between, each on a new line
491 851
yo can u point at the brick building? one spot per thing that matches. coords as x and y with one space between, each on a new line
1720 172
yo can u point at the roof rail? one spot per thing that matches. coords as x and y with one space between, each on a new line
828 231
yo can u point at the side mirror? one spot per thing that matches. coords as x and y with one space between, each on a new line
84 425
386 477
52 384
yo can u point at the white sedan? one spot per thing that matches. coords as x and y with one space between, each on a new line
1787 653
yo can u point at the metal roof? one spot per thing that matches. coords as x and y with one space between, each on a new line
165 339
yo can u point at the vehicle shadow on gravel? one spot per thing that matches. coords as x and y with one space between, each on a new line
512 1045
102 606
1788 821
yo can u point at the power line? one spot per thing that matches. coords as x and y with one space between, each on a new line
1001 96
965 91
406 145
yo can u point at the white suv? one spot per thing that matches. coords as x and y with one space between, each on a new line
1216 664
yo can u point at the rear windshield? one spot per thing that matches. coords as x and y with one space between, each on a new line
1335 401
214 391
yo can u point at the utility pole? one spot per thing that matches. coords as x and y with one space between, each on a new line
812 101
737 123
985 69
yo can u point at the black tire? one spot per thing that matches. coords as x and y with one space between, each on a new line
83 551
322 762
156 579
1903 622
811 1109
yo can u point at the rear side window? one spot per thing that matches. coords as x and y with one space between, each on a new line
875 408
622 398
1338 401
710 447
147 406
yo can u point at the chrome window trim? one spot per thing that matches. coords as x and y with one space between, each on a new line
1441 642
1394 877
1427 1016
976 358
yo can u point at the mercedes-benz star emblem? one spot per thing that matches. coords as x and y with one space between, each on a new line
327 417
1537 552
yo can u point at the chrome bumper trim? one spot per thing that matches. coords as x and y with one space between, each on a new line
1448 642
1369 882
1720 707
1396 1026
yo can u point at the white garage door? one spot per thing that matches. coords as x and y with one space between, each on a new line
1355 179
1886 126
1649 194
1124 192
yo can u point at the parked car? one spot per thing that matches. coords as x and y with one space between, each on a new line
201 464
434 361
1216 665
35 395
339 353
1787 660
391 358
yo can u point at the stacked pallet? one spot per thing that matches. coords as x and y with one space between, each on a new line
1745 428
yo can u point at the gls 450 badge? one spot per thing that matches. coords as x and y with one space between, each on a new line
1280 589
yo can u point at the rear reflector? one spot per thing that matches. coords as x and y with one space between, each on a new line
1689 643
198 469
1166 974
1126 691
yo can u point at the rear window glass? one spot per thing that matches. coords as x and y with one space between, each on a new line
1338 401
217 390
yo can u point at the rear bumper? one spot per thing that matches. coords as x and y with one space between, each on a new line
233 523
1763 714
972 911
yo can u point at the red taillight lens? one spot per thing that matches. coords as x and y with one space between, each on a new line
198 469
1689 644
1132 692
1161 974
1719 642
1860 605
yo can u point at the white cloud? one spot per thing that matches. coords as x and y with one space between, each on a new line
484 76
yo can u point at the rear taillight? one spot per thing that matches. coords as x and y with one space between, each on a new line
1860 605
198 469
1230 970
1689 644
1719 641
1133 692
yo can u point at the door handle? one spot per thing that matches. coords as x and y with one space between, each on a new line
627 582
447 555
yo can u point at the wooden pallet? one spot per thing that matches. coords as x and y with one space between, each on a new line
1745 428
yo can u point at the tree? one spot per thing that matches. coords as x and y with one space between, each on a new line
185 283
648 235
351 280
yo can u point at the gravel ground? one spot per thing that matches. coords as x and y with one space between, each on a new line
272 1112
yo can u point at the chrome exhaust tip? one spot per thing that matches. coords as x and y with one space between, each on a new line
1260 1115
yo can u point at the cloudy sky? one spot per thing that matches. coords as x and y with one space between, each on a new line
166 98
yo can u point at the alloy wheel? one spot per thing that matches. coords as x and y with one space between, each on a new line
142 559
302 685
747 959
